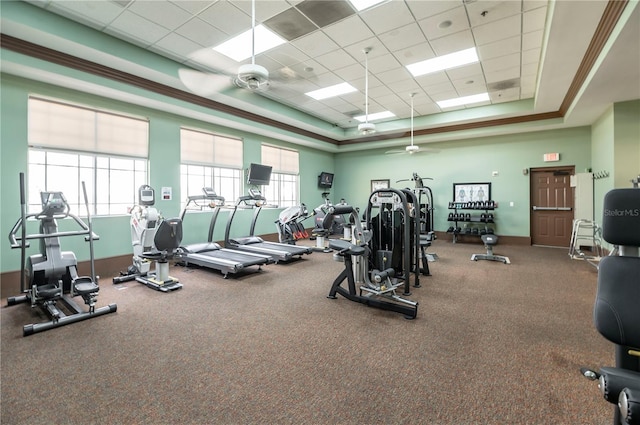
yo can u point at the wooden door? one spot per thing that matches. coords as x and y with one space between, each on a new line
551 206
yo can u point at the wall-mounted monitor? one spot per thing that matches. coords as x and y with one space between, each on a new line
325 180
259 174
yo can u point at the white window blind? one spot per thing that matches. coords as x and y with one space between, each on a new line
58 125
282 160
197 147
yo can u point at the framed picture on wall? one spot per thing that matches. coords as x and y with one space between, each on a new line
471 192
379 184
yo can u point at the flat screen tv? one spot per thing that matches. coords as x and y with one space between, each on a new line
325 180
259 174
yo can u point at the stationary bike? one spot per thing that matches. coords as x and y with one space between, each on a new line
49 280
154 239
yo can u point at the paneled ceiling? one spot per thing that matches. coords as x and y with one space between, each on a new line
530 52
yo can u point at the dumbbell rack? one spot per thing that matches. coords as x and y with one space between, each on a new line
481 221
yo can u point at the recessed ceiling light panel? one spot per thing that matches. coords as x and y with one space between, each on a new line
376 116
239 47
365 4
466 100
331 91
452 60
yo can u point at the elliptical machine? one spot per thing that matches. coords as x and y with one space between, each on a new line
148 230
50 280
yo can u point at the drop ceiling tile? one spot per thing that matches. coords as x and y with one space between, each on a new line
413 54
235 20
445 94
508 95
96 14
453 43
504 28
325 12
192 6
534 20
423 9
348 31
177 45
531 57
350 72
287 54
532 40
484 12
529 69
136 27
429 109
265 9
400 38
161 12
533 4
335 59
433 78
499 48
201 32
290 24
315 44
387 16
403 86
394 75
502 62
452 21
471 83
502 74
441 91
466 72
383 63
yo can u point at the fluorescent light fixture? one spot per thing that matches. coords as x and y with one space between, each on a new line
451 60
466 100
239 48
331 91
376 116
364 4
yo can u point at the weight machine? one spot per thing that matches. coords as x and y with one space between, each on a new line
369 264
49 280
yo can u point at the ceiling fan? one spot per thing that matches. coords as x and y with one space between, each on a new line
411 149
251 76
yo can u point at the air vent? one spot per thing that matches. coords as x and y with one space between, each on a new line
503 85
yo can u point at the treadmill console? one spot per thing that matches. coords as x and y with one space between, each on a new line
209 192
256 194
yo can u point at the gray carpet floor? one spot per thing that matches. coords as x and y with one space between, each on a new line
492 344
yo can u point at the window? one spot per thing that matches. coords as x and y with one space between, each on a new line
284 187
71 144
210 160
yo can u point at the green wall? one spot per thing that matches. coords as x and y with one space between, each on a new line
164 171
472 160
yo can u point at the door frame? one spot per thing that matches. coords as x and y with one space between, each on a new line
572 171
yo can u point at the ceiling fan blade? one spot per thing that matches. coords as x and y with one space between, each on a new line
395 152
202 83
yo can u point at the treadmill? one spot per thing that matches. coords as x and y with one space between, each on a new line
210 254
255 244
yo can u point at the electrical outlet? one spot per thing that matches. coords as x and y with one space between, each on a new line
511 203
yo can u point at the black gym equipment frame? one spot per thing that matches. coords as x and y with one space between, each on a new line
53 275
379 285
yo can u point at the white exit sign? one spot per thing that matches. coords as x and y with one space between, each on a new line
550 157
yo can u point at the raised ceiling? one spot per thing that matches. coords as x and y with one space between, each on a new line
531 53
